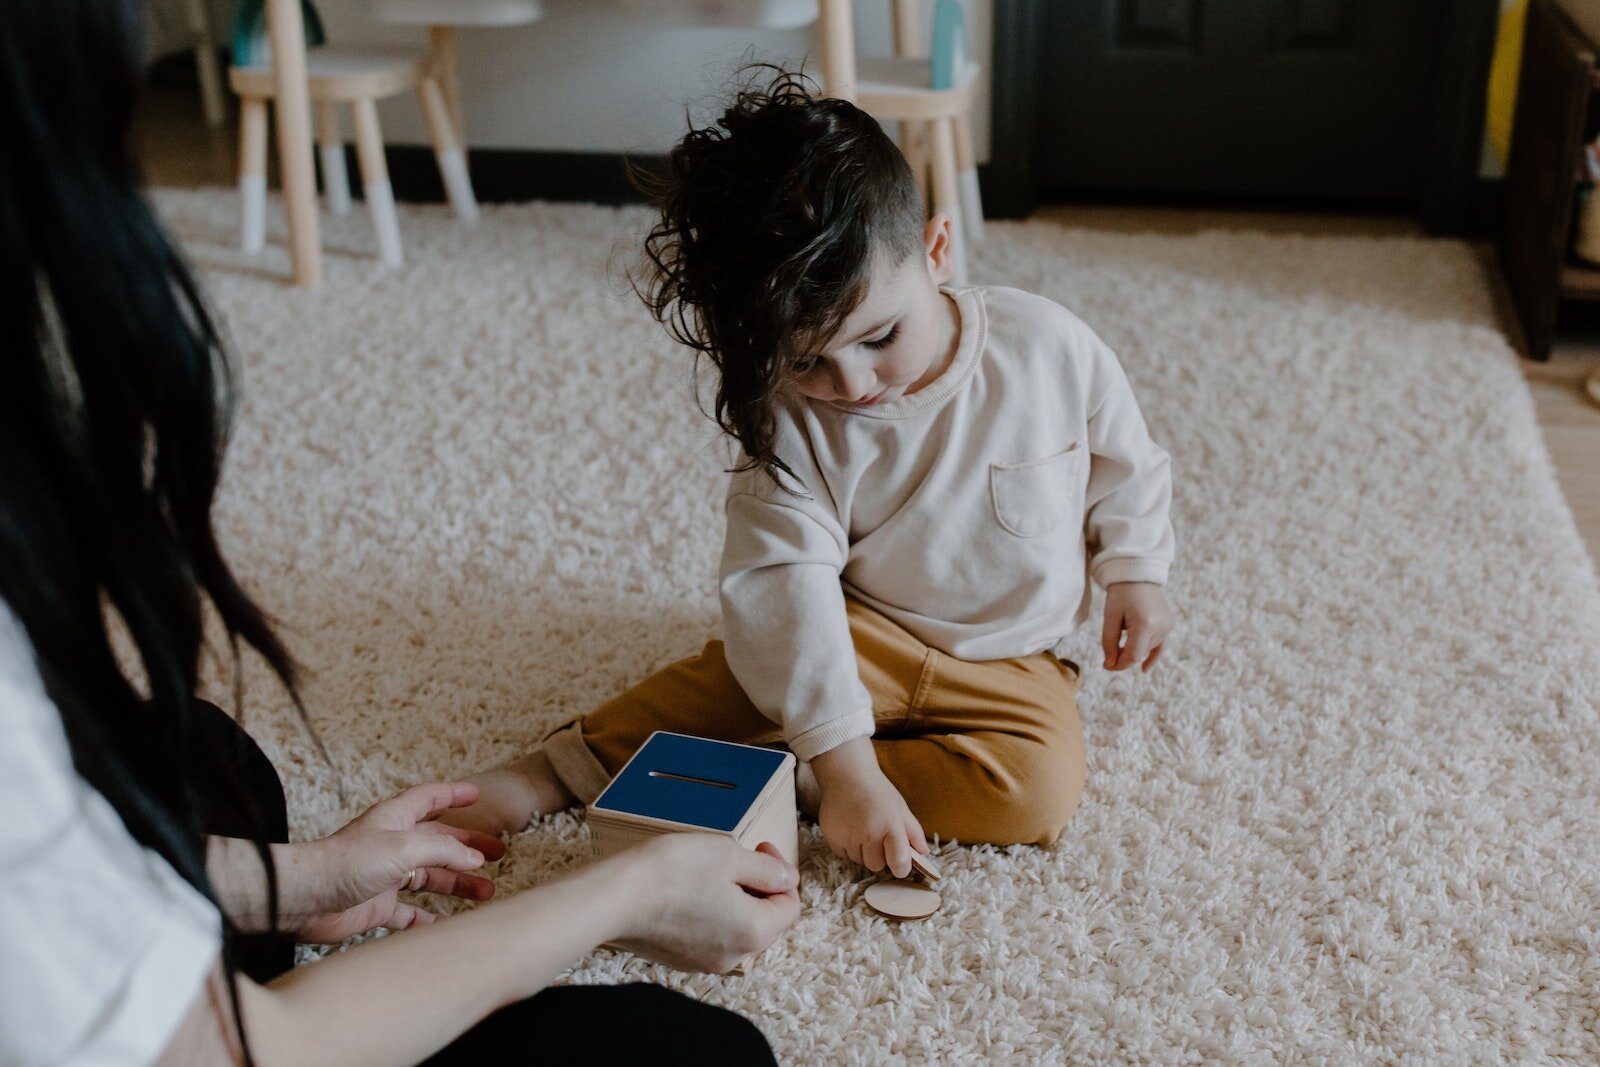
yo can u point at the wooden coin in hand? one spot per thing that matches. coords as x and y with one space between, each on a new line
902 898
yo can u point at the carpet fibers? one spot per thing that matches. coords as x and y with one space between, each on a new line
1351 818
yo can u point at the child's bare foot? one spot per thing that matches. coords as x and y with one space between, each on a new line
512 795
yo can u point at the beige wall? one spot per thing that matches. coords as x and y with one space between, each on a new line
588 77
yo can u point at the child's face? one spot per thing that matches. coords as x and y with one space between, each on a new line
901 337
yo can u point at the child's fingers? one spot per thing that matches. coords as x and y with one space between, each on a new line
1138 646
872 854
1122 659
897 852
1155 654
1111 638
915 834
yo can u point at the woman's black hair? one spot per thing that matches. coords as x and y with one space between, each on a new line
114 410
771 222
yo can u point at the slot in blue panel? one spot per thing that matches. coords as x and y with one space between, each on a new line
692 780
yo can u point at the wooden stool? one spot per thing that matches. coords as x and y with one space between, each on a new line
936 122
442 17
360 79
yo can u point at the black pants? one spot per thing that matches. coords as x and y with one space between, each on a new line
631 1024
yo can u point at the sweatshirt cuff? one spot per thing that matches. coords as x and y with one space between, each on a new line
819 739
1112 571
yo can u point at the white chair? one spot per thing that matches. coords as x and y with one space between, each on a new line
360 79
937 122
442 17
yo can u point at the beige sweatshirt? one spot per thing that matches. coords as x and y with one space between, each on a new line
972 513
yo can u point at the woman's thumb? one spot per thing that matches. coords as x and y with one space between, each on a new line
765 871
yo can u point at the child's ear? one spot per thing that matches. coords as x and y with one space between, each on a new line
939 243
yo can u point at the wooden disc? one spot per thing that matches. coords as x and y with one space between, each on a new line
925 866
901 898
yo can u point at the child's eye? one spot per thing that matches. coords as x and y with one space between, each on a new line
886 340
806 366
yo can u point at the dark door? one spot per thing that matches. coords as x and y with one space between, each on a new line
1322 99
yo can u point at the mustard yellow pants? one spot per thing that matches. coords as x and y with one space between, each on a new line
988 752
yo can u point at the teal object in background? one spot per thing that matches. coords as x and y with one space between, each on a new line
949 51
248 40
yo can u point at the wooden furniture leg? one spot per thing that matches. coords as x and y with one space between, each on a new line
967 169
946 191
907 27
375 180
836 26
447 150
914 136
446 66
206 65
330 146
253 174
287 31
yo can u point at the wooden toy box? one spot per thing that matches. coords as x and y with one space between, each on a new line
677 783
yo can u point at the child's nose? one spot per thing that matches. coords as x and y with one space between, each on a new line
854 383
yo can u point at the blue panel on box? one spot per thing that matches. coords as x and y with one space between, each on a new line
692 780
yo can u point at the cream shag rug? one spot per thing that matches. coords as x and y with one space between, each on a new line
1352 818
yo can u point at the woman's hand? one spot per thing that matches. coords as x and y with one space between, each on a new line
1140 609
349 882
862 816
703 902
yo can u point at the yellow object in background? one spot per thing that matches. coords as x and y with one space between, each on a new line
1503 70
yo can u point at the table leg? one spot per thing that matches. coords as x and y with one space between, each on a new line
286 28
836 27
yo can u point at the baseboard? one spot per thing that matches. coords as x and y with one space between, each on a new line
502 175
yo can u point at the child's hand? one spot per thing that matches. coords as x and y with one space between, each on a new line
863 816
1140 609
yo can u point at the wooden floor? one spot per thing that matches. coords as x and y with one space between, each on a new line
179 150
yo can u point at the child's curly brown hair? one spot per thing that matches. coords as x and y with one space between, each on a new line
771 222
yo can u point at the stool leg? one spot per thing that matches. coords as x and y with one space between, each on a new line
967 166
442 43
206 65
375 180
947 194
915 135
447 149
330 145
253 173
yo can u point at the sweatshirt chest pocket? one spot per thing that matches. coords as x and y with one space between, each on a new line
1035 497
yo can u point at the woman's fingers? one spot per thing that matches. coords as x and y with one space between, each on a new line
439 850
405 916
491 846
455 884
422 802
765 871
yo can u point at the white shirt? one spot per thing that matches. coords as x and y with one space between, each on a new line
103 947
971 512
